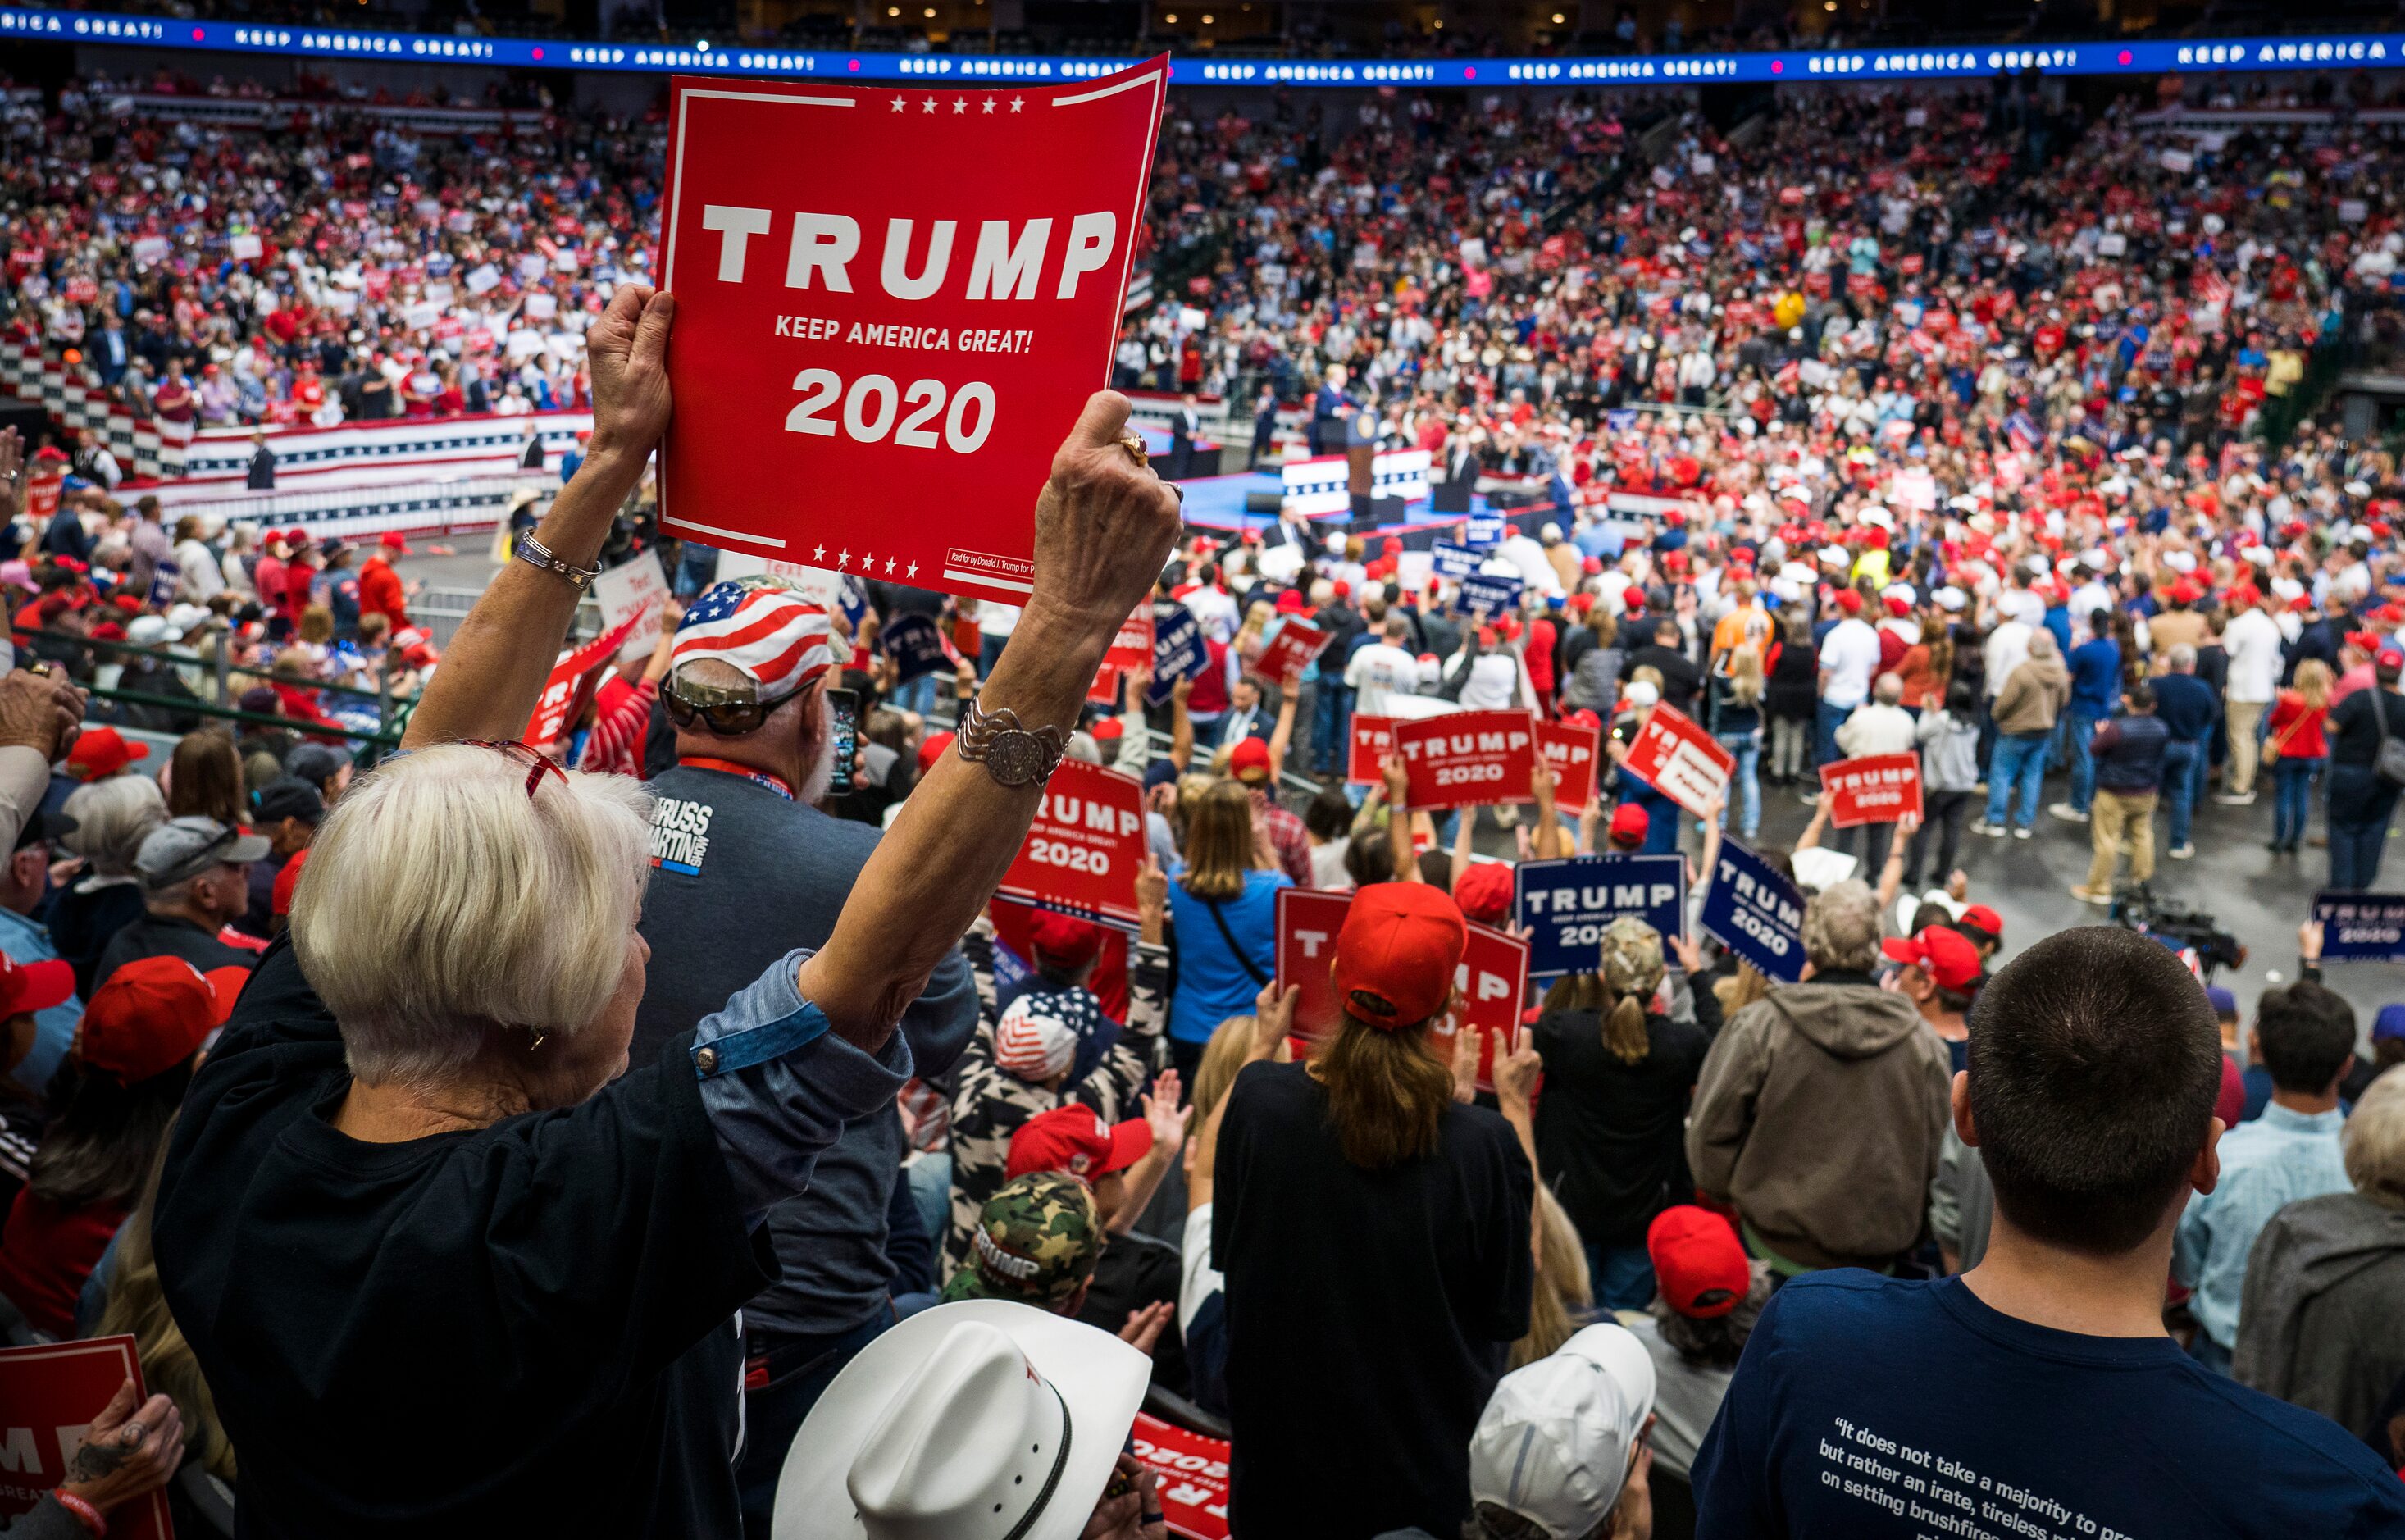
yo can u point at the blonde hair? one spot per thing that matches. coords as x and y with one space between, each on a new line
1624 1031
1745 677
2313 683
1565 1291
1740 989
1222 1056
440 898
1218 841
137 1307
112 818
2374 1141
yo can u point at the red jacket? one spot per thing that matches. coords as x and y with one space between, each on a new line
381 592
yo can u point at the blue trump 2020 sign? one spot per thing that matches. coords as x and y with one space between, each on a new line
1754 911
1566 904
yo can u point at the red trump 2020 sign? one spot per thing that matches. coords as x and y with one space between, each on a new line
891 304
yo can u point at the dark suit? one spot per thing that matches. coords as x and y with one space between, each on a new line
1264 434
1329 408
1182 429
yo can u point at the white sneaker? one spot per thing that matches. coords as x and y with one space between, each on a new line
2183 852
2234 800
1993 831
2022 834
2068 814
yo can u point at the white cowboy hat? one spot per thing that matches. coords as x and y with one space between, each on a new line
974 1421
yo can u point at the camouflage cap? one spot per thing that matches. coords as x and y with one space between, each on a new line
1035 1242
1632 957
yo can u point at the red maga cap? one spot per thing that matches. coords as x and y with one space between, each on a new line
1397 953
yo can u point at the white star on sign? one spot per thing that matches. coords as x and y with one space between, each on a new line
1017 102
911 571
818 555
929 104
898 104
843 558
867 563
960 105
889 566
989 106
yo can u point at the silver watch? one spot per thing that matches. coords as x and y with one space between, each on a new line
1012 753
535 552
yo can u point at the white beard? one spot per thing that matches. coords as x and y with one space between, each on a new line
814 786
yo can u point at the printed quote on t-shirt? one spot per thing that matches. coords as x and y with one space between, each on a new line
1945 1496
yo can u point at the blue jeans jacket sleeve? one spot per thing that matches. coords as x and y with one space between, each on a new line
778 1086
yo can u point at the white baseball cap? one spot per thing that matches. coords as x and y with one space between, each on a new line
1641 694
970 1421
1556 1441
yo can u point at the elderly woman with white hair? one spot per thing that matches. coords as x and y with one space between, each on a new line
2319 1323
112 817
449 1264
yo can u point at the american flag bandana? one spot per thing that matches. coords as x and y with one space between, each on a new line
771 635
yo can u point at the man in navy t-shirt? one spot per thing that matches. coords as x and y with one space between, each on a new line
2039 1396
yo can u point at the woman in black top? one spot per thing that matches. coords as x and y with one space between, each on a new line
1790 696
1612 1125
2361 802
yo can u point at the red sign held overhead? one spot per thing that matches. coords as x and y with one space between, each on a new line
1570 752
1085 847
1493 981
1469 758
1373 739
1878 788
1288 653
48 1396
1492 977
1307 922
892 304
1679 759
563 694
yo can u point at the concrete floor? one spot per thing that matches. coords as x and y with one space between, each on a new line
2257 897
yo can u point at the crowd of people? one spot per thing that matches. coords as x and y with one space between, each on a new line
766 1174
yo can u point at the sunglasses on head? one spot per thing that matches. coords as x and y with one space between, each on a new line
536 762
728 718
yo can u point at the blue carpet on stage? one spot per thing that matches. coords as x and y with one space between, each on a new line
1217 502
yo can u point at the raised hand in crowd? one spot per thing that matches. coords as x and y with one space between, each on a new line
1130 1505
41 712
1143 1328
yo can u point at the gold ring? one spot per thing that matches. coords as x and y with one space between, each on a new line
1133 445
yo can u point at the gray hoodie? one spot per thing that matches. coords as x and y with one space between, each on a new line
2322 1322
1818 1113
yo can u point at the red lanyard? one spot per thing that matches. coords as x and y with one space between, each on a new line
727 767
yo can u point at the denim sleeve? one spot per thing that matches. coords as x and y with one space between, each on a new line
778 1086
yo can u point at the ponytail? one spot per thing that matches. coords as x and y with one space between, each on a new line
1386 1092
1624 1031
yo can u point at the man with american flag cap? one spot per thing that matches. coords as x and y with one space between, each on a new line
736 821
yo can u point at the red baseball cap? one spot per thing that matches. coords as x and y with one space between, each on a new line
152 1014
33 986
1983 919
1943 952
1698 1262
390 539
1074 1140
2389 658
1065 940
1485 891
100 753
1397 953
1849 602
1629 824
931 748
1249 760
279 900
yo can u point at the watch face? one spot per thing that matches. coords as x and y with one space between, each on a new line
1015 758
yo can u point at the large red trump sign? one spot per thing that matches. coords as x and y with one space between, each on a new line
890 306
